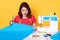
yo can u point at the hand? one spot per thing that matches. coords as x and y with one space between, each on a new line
34 25
35 28
10 22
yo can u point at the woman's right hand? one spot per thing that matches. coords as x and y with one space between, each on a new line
10 22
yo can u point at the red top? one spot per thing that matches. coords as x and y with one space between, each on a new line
28 21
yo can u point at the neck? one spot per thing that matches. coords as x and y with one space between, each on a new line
24 16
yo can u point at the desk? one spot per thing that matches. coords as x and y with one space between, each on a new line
39 36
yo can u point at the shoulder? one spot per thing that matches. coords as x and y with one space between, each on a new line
16 19
32 16
17 16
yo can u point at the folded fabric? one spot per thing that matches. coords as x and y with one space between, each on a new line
16 32
56 36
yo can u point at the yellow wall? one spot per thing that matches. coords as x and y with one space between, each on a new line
9 8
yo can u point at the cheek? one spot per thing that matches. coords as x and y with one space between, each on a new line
26 11
22 11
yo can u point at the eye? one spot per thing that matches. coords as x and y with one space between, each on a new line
22 10
26 10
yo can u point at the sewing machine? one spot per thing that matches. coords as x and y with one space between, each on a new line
53 28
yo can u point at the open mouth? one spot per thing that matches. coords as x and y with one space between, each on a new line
25 14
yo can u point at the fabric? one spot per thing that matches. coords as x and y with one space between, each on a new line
26 20
16 32
56 36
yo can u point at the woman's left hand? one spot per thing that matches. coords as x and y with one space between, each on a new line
34 25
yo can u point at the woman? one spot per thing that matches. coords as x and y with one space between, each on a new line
24 15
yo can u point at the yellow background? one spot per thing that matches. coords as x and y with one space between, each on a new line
9 8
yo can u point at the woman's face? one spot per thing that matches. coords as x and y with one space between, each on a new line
24 11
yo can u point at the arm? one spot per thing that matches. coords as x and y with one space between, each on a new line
34 25
34 22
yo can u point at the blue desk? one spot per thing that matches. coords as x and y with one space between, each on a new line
16 32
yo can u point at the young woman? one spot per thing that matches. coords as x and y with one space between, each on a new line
24 15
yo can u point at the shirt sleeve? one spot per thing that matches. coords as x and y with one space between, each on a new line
16 19
33 19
